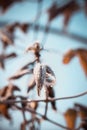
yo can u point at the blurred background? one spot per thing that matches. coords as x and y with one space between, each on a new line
70 78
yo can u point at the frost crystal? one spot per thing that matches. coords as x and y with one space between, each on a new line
44 77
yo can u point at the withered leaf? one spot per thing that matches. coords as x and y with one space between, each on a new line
67 10
84 124
70 116
23 26
2 64
44 76
26 66
4 111
35 48
5 4
82 110
20 73
7 92
32 105
3 57
2 60
23 103
51 94
39 75
11 55
85 7
31 84
24 124
81 54
6 38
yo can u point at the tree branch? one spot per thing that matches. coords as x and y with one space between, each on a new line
43 100
46 118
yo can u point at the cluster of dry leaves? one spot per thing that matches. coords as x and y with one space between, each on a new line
72 114
41 75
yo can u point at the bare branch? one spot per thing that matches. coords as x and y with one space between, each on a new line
43 100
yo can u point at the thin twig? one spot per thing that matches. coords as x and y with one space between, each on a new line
62 33
43 100
46 107
46 118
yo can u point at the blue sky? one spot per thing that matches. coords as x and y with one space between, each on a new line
70 78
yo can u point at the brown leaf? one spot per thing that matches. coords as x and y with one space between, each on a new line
52 95
24 124
82 111
23 26
67 10
81 54
84 124
35 48
85 7
7 91
3 57
31 84
2 66
32 105
4 111
20 73
70 116
11 55
6 38
6 4
39 76
68 56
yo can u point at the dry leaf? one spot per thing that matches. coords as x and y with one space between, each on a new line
70 116
7 92
35 48
67 10
31 84
44 76
84 124
4 57
82 111
52 95
32 105
11 55
81 54
6 38
4 111
6 4
85 7
24 124
23 26
20 73
2 62
39 75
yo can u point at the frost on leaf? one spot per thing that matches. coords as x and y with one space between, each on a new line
40 76
44 77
